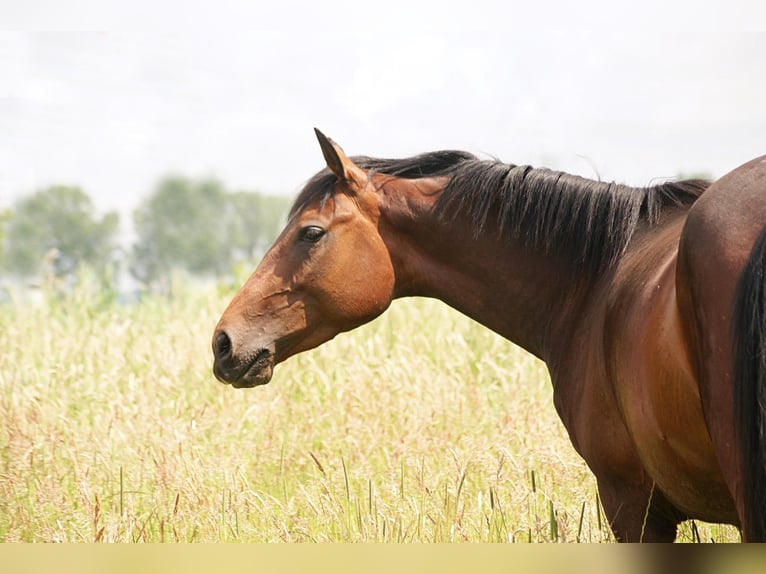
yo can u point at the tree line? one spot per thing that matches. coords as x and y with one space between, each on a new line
197 226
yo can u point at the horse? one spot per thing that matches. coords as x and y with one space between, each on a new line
648 306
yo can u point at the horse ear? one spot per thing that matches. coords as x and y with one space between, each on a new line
340 164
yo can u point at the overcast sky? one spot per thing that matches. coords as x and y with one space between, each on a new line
630 91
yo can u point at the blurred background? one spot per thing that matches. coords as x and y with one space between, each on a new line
149 151
152 137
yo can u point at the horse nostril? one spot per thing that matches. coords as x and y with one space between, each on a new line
221 345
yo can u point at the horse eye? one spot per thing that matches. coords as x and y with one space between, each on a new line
311 234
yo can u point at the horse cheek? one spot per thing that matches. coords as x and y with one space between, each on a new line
367 290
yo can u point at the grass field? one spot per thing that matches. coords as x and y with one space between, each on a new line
421 426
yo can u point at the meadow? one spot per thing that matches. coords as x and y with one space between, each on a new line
421 426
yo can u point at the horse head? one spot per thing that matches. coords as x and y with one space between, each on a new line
329 271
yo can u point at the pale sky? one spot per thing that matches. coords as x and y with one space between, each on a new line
626 91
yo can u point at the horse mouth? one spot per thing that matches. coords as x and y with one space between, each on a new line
257 373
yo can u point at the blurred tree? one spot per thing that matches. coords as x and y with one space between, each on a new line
682 175
57 227
180 227
201 228
5 216
256 220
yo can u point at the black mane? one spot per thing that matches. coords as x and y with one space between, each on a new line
589 221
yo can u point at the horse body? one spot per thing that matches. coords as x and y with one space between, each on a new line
626 330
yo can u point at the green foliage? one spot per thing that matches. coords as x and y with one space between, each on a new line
179 226
681 176
5 217
57 227
200 227
256 220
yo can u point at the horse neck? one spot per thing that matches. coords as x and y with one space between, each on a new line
524 295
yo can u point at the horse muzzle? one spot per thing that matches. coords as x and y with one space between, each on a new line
241 368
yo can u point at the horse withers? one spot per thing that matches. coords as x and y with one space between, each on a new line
647 305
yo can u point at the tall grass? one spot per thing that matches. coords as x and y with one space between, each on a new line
421 426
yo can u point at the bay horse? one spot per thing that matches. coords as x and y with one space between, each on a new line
648 306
